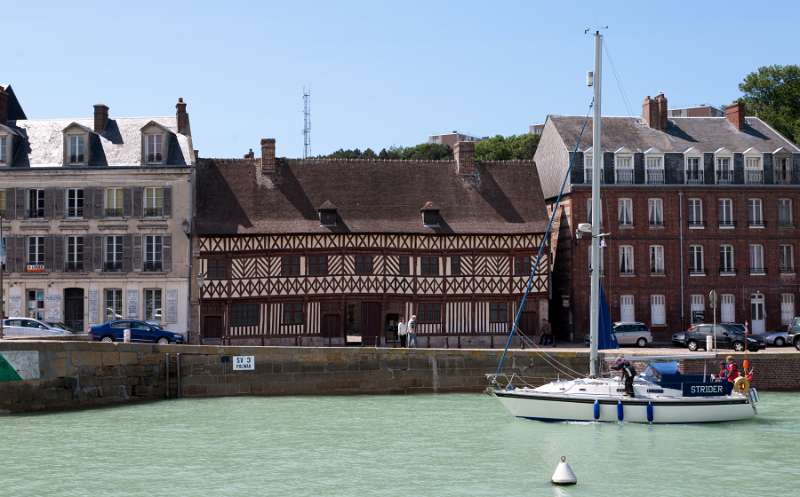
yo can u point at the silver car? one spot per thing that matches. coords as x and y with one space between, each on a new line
778 338
632 333
27 327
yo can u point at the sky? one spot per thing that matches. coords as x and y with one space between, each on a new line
380 73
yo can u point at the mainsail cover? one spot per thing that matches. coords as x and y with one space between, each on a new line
605 333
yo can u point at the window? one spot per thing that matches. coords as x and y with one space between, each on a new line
783 170
152 304
625 212
292 313
114 198
429 265
153 202
77 149
623 170
587 169
455 265
787 308
696 264
364 264
726 264
245 314
724 170
317 265
726 213
654 170
113 255
404 265
757 259
430 218
4 149
589 259
153 147
626 259
429 313
589 212
785 212
695 213
2 203
4 251
655 212
698 308
658 311
74 254
36 252
217 269
522 265
786 258
290 265
755 216
694 171
36 203
327 217
152 253
74 202
727 310
498 312
753 172
36 304
656 259
113 303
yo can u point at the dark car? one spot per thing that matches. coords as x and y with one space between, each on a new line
112 331
728 335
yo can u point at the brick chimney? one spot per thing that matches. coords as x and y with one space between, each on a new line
182 117
100 118
464 153
735 114
3 105
654 111
661 105
268 163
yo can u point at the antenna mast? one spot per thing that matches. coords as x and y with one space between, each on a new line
306 122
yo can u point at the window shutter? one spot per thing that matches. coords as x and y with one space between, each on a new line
127 202
99 202
127 253
58 253
11 252
166 253
49 202
49 258
10 203
97 252
167 201
20 196
138 202
88 203
137 252
59 201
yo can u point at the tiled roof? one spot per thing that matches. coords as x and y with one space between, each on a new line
370 197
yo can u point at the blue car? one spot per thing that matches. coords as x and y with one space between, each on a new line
141 331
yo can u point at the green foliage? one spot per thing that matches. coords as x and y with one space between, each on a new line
519 147
773 94
423 151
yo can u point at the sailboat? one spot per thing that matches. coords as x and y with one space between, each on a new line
661 394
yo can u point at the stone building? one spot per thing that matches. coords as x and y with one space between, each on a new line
96 213
328 252
692 204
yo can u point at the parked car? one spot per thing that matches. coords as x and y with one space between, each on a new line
778 338
62 326
793 332
27 327
632 333
728 335
141 331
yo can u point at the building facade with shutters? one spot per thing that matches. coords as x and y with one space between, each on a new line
691 204
329 252
96 216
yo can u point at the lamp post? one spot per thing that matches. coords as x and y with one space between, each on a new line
201 280
2 264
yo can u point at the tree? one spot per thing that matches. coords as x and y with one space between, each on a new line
514 147
773 94
423 151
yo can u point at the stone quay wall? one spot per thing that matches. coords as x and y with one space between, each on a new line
69 375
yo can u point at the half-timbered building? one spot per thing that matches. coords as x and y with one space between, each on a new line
333 252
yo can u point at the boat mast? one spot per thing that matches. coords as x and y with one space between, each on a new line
597 168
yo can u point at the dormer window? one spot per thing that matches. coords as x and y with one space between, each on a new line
5 150
623 167
694 167
430 215
753 167
654 167
783 166
76 153
154 148
327 214
723 166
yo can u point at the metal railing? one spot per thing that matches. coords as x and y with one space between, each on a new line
694 178
153 211
113 212
654 176
154 266
73 267
112 266
754 177
35 213
624 177
724 177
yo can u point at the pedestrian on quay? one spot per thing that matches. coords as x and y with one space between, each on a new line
547 334
402 332
412 331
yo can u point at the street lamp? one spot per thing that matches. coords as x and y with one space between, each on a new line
2 264
201 281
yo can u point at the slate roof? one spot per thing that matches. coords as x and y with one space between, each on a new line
706 134
370 197
119 145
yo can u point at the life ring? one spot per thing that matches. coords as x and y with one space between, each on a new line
741 385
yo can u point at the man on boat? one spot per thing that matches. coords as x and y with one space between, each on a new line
628 372
731 370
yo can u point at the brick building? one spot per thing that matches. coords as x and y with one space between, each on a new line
691 204
96 213
328 252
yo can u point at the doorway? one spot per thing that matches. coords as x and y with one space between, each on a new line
626 309
212 327
73 308
370 323
390 329
331 325
757 313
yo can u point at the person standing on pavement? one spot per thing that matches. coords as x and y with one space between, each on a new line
402 332
412 331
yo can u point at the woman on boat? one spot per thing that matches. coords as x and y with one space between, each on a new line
731 370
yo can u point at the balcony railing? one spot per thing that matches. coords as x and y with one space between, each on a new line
35 213
694 177
624 177
113 212
783 178
112 266
153 211
153 266
654 176
754 177
73 267
724 177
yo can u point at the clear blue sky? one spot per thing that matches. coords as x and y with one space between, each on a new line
381 73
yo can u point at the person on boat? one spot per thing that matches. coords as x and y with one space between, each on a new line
402 331
412 331
627 372
731 370
723 372
547 334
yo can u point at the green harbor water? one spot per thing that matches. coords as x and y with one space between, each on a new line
423 445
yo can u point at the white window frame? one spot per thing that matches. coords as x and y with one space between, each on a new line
785 205
627 302
727 263
783 175
720 158
757 259
588 164
154 148
589 211
755 213
655 212
787 308
753 168
113 300
35 249
5 149
626 262
79 156
697 265
654 169
154 201
658 310
656 259
154 250
695 206
700 169
727 302
725 205
625 212
697 303
75 199
786 258
153 296
623 169
113 201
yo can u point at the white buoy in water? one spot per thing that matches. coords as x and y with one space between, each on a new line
564 474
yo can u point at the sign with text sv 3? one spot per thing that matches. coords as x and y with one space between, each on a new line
244 363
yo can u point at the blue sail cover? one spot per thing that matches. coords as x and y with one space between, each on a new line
605 332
